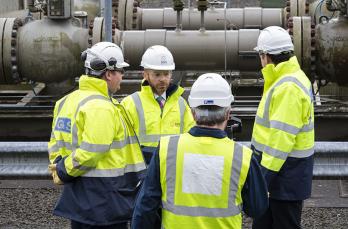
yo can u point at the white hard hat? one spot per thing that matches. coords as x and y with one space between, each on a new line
158 57
210 89
274 40
104 56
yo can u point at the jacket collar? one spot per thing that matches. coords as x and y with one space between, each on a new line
272 73
197 131
173 89
89 83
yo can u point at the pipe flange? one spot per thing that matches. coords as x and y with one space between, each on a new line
90 33
115 13
302 31
135 15
2 73
9 50
97 31
296 8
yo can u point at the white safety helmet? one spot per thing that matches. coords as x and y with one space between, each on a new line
274 40
210 89
104 56
158 57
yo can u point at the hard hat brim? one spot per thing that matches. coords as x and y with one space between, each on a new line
156 67
221 102
122 65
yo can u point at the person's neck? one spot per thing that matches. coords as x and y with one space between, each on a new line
157 93
220 126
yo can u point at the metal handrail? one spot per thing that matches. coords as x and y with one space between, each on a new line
29 160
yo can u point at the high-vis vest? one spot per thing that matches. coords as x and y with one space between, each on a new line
150 123
284 123
77 134
201 181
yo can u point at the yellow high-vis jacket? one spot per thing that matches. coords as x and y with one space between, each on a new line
149 122
201 180
284 129
101 156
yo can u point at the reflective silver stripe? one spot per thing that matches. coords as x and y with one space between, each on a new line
149 138
76 164
283 126
269 150
123 143
142 126
307 128
281 154
61 104
169 205
58 111
115 172
277 124
74 137
152 137
182 108
95 148
60 144
83 102
302 153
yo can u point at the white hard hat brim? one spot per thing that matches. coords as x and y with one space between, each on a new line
156 67
221 102
122 65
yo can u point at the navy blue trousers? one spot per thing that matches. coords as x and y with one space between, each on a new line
78 225
280 215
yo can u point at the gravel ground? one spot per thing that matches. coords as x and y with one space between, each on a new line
32 208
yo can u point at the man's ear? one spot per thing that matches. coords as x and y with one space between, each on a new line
107 75
193 114
146 75
228 114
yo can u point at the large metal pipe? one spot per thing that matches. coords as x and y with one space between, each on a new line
332 50
237 18
196 50
52 52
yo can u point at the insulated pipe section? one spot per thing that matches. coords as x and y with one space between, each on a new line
237 18
49 50
196 50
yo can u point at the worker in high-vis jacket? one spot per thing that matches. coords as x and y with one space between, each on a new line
202 179
283 134
93 150
158 109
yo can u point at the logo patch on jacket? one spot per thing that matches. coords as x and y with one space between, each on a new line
63 124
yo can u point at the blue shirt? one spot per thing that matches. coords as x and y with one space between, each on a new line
254 192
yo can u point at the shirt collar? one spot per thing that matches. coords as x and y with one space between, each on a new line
197 131
163 95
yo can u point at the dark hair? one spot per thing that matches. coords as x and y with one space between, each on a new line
278 58
94 74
